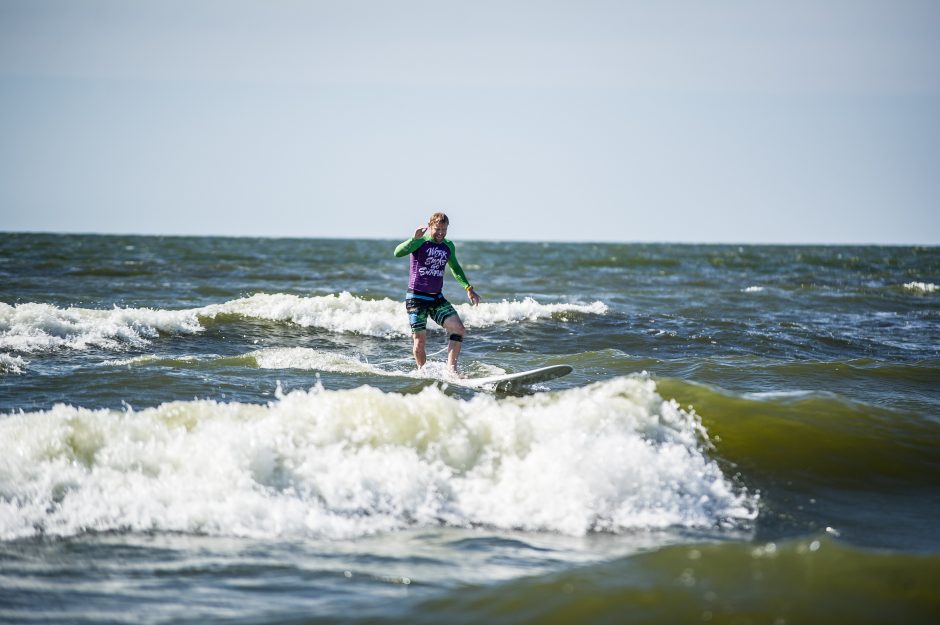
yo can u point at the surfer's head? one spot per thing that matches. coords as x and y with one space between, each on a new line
438 217
437 226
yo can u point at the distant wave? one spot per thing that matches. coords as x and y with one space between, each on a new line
383 318
629 261
922 287
610 457
36 327
33 327
336 313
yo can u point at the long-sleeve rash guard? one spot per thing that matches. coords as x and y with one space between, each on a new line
427 264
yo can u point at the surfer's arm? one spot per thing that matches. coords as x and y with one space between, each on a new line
459 274
455 267
408 246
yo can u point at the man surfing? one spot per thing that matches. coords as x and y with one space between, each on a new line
430 251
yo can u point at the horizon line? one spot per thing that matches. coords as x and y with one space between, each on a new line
474 240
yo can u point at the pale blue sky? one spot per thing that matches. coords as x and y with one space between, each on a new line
698 121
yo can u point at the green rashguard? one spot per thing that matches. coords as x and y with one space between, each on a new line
427 264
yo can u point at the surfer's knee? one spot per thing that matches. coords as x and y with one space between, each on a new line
456 331
454 325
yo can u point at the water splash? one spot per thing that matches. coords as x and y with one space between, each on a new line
612 456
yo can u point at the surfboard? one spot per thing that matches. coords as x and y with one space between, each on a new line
514 381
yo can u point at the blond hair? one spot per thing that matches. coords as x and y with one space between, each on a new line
436 217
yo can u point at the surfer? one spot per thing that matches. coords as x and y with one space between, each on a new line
430 251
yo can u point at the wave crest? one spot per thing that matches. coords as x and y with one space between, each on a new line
11 364
921 287
612 456
33 327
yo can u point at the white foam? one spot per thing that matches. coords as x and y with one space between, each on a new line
612 456
309 359
753 289
336 313
11 364
149 359
35 327
922 287
489 314
383 318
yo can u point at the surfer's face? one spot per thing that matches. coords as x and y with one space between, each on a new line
438 231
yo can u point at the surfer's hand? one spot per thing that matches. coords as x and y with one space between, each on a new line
419 233
473 297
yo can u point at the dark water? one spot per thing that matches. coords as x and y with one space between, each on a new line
230 430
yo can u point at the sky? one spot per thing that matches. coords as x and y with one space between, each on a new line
749 121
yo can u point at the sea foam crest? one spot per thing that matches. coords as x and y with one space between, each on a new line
337 313
489 314
35 327
11 364
922 287
383 318
612 456
312 360
309 359
32 327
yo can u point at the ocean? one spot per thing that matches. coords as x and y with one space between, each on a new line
232 430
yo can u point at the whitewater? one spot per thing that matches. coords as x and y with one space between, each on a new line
342 464
34 327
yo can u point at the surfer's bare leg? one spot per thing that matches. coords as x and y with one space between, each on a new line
455 329
418 348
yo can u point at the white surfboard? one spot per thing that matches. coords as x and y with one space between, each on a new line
513 381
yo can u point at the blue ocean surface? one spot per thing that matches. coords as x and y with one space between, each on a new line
232 430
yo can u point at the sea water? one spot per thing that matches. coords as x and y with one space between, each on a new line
219 430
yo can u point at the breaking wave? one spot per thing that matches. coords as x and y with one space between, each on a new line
32 327
610 457
921 287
